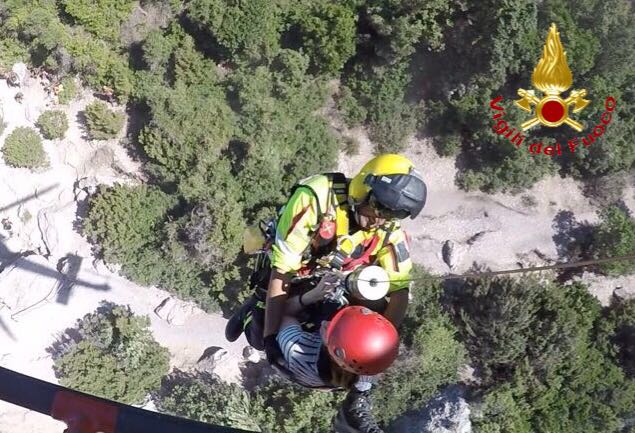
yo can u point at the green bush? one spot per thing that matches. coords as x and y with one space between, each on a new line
432 362
250 28
354 114
116 356
448 145
273 407
101 122
209 399
68 91
557 374
390 118
505 322
126 220
101 17
53 124
430 359
328 32
614 236
297 409
23 148
619 332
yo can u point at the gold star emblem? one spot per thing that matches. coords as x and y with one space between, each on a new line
552 76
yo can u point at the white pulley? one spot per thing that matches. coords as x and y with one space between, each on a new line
370 282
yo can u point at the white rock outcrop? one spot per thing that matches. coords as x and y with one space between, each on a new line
446 413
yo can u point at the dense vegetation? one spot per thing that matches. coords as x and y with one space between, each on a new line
112 354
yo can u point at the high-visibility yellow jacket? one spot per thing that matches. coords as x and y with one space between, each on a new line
323 197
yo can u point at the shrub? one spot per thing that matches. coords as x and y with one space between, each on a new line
621 334
448 145
209 399
23 148
298 409
125 220
391 119
53 124
102 17
115 356
251 28
273 407
354 114
101 122
614 236
432 362
506 322
579 388
68 91
328 34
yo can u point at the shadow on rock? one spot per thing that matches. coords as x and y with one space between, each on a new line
572 238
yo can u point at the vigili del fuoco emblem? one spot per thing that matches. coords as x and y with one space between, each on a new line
552 76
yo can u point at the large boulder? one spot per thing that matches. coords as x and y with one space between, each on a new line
446 413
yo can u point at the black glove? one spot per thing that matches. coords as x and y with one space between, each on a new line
272 349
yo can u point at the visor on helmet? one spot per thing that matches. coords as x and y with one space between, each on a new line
397 195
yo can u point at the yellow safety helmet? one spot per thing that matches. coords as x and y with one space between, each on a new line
391 185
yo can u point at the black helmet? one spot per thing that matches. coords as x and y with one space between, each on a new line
397 196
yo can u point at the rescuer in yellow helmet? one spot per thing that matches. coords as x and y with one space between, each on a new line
352 222
339 223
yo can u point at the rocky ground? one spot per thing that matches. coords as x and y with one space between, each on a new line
49 277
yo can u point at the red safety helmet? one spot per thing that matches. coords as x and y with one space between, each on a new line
361 341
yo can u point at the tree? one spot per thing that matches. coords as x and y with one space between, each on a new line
275 406
299 409
327 30
126 220
242 28
390 117
101 122
432 362
614 236
207 398
53 124
23 148
113 356
102 17
506 322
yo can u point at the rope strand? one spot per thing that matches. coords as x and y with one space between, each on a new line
561 265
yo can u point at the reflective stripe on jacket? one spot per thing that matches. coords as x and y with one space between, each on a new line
299 220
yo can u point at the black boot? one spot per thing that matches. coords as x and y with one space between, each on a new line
236 323
355 414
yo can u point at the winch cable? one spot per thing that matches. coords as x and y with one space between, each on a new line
476 275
